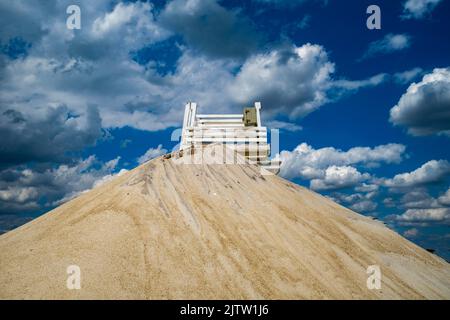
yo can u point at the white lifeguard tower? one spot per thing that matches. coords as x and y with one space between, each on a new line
240 132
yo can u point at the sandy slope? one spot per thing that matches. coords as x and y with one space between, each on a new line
175 231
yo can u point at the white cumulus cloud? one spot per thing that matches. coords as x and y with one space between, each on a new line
429 172
291 80
21 189
425 215
445 198
151 154
408 75
307 163
338 177
418 9
424 109
411 233
389 43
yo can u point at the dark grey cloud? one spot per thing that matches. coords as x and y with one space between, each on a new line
48 137
24 189
9 222
19 19
289 3
210 28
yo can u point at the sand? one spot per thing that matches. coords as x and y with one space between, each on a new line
172 231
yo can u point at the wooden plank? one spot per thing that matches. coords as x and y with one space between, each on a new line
209 127
249 134
225 140
257 158
224 125
270 162
219 121
249 147
216 137
194 112
207 116
243 147
215 129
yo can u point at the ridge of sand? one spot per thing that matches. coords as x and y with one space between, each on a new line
171 231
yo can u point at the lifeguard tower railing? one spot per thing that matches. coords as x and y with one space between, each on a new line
240 132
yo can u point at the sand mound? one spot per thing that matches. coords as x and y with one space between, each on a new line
166 230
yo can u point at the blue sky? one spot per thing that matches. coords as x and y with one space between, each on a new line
364 114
